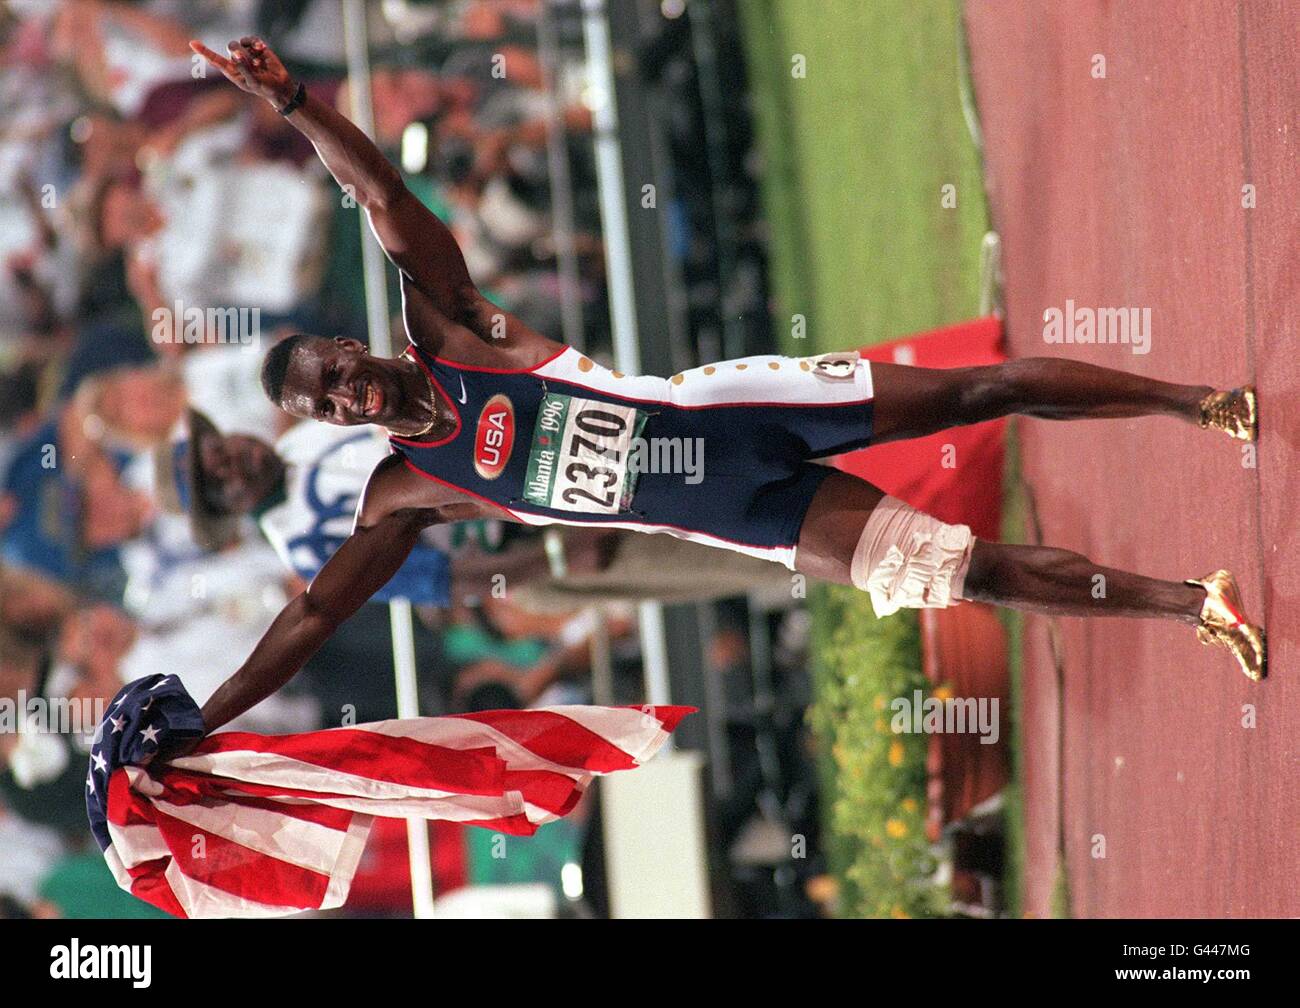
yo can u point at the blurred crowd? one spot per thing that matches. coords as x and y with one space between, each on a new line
159 230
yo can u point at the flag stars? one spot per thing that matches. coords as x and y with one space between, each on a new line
150 734
118 723
101 764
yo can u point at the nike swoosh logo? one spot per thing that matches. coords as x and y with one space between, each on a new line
463 394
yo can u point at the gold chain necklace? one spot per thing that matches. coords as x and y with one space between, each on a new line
433 402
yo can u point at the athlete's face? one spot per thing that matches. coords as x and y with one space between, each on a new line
338 382
239 471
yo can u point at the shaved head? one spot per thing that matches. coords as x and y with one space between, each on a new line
276 365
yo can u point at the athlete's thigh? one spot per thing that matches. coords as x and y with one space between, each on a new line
833 525
914 401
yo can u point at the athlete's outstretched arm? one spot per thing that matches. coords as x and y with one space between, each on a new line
411 235
362 565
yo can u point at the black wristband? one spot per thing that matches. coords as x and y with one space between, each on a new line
299 96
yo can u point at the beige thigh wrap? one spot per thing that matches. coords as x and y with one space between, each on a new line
908 560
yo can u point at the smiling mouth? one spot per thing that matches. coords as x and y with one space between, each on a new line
371 400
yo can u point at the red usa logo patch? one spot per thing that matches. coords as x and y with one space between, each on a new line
495 437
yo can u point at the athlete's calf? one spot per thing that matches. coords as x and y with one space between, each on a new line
912 402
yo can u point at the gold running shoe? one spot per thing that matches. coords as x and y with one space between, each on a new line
1234 412
1223 623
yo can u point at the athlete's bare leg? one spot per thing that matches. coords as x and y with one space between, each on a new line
912 402
1033 578
1059 582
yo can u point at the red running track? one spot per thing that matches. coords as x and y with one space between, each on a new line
1127 191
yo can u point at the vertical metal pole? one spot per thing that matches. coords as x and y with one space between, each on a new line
622 296
377 322
557 161
372 256
609 185
602 663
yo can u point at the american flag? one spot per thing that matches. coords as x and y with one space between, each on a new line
265 825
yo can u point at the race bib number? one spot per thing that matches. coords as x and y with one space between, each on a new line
579 455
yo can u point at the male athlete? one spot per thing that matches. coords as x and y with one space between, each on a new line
487 418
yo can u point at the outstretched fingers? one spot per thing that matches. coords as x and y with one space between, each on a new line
232 69
254 67
218 61
250 65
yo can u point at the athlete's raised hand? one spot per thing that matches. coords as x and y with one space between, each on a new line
252 67
415 239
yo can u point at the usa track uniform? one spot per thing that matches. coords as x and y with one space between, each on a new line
568 441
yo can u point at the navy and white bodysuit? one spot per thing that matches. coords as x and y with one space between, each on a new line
572 442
